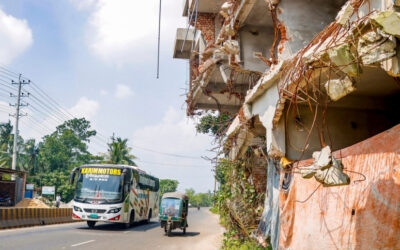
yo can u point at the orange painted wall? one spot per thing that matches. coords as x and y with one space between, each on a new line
362 215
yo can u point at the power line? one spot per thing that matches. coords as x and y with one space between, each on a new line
168 154
51 109
168 164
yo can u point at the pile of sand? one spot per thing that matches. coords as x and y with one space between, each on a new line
33 203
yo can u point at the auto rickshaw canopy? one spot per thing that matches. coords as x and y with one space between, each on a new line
175 195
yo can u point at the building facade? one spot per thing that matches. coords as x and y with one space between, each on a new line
313 87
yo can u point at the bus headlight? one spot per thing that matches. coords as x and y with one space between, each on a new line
114 210
78 209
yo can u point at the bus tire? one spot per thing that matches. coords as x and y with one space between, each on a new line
131 219
149 216
91 223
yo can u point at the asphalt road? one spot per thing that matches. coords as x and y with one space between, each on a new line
203 233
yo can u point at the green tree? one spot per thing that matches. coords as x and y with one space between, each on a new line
6 142
67 146
168 185
190 193
119 152
29 157
201 199
79 127
56 178
214 124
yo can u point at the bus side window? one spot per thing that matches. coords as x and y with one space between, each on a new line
127 180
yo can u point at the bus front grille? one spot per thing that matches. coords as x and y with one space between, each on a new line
94 211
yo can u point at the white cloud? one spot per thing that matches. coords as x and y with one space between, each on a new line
103 92
85 108
83 4
123 91
125 31
175 134
117 28
15 37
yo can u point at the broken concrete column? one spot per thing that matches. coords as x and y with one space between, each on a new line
326 169
389 21
375 47
307 172
343 57
344 14
338 88
332 176
323 158
392 65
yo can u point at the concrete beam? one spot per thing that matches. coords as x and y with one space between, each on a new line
205 6
179 39
217 87
232 109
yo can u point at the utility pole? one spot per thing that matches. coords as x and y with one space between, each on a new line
17 115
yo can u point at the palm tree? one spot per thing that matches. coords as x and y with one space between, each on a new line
6 141
119 152
29 158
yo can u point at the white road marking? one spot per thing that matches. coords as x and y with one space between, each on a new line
7 230
85 242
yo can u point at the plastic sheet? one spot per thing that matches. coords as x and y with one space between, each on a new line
362 215
269 223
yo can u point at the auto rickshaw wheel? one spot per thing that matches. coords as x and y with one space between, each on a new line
169 230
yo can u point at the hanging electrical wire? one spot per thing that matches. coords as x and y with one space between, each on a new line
48 109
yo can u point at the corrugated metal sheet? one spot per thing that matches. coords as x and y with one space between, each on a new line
362 215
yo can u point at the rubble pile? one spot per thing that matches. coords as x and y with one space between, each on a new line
31 203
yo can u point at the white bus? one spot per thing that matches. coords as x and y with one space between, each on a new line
114 193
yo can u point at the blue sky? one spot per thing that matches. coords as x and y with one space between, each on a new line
97 58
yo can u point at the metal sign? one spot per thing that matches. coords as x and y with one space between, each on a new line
50 190
29 186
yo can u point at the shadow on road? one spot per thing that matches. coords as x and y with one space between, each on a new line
137 226
180 234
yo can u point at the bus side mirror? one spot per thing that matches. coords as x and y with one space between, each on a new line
72 176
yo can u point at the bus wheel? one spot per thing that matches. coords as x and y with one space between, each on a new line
131 220
149 217
91 223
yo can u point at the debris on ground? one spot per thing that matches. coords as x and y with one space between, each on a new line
31 203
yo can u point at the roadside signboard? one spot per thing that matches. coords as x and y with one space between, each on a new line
29 186
49 190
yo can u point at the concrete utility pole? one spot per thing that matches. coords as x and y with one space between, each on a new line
17 115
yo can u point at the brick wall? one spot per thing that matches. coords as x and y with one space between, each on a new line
260 177
205 23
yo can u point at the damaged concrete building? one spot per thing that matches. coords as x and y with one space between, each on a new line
314 86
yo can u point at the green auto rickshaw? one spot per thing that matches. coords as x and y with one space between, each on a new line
174 211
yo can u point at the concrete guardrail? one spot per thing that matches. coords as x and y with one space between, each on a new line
25 217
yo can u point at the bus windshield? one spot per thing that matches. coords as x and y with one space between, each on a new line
99 184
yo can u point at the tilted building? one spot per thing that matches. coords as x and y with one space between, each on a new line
315 86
